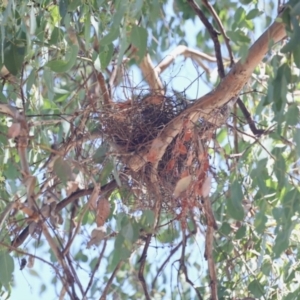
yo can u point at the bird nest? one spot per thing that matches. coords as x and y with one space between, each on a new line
131 126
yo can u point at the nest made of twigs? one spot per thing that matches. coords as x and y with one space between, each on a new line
132 124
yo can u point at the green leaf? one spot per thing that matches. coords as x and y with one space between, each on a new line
234 202
7 268
260 221
280 168
292 115
63 170
239 14
241 232
105 55
253 13
106 172
56 36
147 218
73 4
127 232
137 8
281 242
63 7
100 153
256 288
14 54
297 140
225 229
139 38
62 66
110 37
296 10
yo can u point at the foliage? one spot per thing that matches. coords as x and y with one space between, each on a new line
82 209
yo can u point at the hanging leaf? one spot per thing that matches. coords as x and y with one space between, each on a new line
97 235
100 153
139 38
182 185
235 208
63 170
14 55
256 288
14 130
62 66
103 211
7 268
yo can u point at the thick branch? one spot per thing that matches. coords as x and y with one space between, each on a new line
186 52
228 89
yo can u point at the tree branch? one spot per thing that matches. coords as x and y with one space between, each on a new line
228 89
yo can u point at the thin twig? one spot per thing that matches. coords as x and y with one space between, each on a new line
221 28
213 34
183 266
95 269
105 190
103 296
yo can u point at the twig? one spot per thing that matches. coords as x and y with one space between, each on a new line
173 251
105 190
103 296
95 269
211 265
249 119
183 266
68 282
213 33
221 28
142 260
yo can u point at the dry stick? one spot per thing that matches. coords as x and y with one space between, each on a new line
221 27
183 266
142 260
95 269
11 248
106 189
173 251
228 89
69 278
213 33
105 94
103 296
211 265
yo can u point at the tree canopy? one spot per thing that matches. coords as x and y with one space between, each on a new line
150 149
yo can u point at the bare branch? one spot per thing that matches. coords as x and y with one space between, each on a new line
186 52
142 260
109 282
150 75
221 28
213 33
